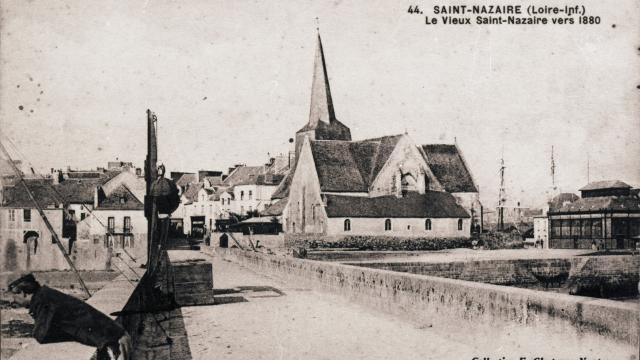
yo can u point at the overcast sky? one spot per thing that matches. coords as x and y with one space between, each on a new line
230 82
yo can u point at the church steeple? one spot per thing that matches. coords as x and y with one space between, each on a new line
321 102
322 124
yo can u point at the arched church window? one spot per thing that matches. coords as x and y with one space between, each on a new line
387 225
347 225
427 224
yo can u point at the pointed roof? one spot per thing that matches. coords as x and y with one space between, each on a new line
244 175
351 166
561 200
345 166
447 164
606 184
122 198
321 102
275 209
17 197
322 117
610 203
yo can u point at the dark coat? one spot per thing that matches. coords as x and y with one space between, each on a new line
60 317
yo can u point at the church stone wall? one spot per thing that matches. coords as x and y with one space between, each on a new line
305 212
403 227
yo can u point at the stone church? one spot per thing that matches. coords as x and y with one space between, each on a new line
382 186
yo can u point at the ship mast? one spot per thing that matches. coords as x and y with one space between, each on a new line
553 170
502 196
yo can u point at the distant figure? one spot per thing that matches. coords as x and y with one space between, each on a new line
207 236
60 317
224 240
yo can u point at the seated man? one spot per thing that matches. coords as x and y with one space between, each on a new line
60 317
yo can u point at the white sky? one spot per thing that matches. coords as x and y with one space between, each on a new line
101 64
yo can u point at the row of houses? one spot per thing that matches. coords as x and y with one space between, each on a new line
244 191
95 215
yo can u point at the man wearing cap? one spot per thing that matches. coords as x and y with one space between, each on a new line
60 317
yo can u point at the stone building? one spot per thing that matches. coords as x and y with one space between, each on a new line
116 224
82 211
541 222
26 244
255 193
380 186
607 215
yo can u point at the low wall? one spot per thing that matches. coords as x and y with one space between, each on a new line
63 279
617 274
265 240
449 301
355 255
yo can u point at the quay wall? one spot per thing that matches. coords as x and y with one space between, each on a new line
453 302
610 271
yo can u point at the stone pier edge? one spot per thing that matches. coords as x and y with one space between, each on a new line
436 300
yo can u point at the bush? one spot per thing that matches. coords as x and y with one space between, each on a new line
499 240
371 242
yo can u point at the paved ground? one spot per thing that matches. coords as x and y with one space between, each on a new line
260 317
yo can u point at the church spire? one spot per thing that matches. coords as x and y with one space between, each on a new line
321 102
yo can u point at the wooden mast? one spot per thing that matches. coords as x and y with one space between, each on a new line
150 174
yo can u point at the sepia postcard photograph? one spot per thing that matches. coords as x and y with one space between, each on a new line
305 179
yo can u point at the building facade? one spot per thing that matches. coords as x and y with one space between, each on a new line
26 244
607 216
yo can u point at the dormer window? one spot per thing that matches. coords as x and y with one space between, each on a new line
408 183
